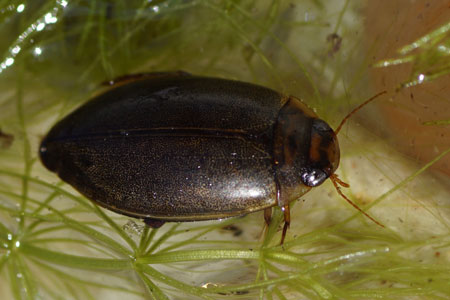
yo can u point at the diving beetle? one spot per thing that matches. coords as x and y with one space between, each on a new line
177 147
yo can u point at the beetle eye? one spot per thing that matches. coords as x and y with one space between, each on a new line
314 177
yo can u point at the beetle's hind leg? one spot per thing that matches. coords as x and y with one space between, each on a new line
154 223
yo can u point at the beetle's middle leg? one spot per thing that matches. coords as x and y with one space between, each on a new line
287 221
283 203
267 215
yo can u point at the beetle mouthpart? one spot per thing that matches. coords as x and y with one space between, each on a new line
314 178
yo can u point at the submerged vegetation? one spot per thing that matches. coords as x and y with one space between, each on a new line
55 244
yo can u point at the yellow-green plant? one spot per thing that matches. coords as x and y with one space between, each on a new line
55 244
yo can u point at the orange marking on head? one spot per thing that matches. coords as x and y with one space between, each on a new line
314 153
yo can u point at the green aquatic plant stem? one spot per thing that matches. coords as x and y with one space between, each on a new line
425 40
75 279
429 56
196 255
75 261
162 238
27 158
153 290
118 229
153 273
438 122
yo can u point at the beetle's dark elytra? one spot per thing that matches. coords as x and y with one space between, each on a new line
176 147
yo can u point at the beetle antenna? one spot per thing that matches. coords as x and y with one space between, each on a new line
356 109
335 180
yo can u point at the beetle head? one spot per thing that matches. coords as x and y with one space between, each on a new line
324 150
306 148
323 157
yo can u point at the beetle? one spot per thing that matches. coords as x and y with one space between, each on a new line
172 146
